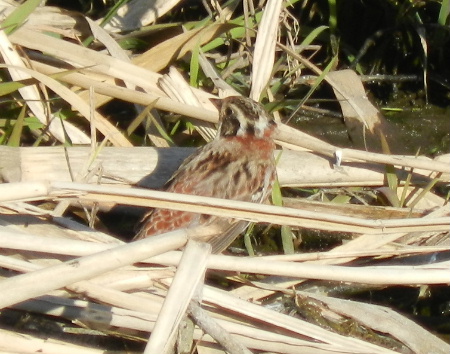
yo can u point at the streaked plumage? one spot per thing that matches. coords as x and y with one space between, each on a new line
238 164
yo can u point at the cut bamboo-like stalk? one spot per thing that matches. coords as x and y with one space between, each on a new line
233 209
188 276
25 286
366 275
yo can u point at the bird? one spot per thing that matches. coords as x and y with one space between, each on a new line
238 164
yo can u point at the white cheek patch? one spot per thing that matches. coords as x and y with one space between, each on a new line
261 126
242 125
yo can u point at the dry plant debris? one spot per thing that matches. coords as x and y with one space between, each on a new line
58 267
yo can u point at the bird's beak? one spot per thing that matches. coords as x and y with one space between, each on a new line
217 102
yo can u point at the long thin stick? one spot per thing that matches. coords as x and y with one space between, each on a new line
22 287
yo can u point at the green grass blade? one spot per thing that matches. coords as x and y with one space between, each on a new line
140 118
8 87
390 174
287 238
194 67
444 13
316 84
277 198
19 15
405 188
392 182
424 192
333 16
341 199
313 35
14 138
160 129
112 12
247 240
237 30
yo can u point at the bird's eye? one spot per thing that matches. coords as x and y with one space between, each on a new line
228 111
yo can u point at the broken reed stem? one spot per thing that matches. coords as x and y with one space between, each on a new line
229 208
29 285
398 275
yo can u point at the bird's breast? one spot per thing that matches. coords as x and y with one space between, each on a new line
259 147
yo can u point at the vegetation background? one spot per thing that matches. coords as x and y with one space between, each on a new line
67 84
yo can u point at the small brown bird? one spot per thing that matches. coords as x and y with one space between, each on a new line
238 164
